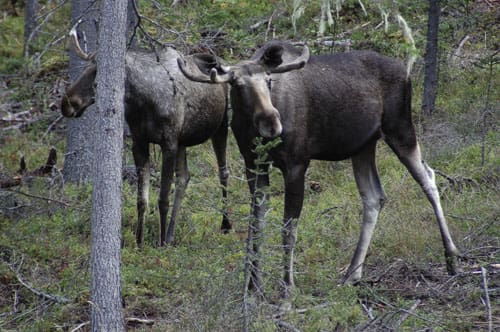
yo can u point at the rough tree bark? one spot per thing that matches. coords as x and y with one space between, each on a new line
431 59
106 312
79 137
30 15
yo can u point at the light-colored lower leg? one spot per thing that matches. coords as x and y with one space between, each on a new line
424 175
373 197
289 235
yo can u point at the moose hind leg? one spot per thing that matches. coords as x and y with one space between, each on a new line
167 173
424 176
373 197
181 182
219 144
141 159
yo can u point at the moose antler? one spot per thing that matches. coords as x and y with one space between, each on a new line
73 35
214 76
296 64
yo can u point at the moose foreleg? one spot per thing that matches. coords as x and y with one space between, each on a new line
167 173
373 197
181 182
141 159
294 198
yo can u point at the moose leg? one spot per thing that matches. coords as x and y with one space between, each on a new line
424 175
373 197
219 143
141 159
258 181
294 198
181 182
167 173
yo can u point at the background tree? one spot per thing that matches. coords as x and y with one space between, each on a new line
80 138
431 63
30 15
132 21
106 213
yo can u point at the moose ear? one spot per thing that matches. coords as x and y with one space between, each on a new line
205 62
273 56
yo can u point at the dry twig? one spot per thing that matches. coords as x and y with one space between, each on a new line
39 197
484 272
135 320
406 313
80 326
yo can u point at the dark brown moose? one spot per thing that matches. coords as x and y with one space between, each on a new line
326 107
165 108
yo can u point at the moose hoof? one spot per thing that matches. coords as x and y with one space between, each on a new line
352 277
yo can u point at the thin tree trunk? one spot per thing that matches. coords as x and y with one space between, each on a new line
30 14
107 314
80 138
431 59
132 21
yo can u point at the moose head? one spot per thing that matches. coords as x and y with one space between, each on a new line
251 81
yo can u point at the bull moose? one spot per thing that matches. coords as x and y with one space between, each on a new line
326 107
165 108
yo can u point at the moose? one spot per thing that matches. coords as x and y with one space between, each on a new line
164 108
326 107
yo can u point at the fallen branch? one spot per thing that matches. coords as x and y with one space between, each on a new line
39 197
50 297
7 181
406 314
130 320
458 181
78 327
369 311
135 320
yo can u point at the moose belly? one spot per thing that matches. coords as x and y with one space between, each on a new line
343 142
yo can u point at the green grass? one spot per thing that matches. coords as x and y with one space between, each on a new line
202 275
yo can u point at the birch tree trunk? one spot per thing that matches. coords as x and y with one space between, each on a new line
106 313
79 135
431 59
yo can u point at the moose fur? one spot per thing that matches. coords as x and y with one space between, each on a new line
325 107
164 108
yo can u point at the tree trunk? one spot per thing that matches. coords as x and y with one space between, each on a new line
30 14
132 21
79 137
106 313
431 59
